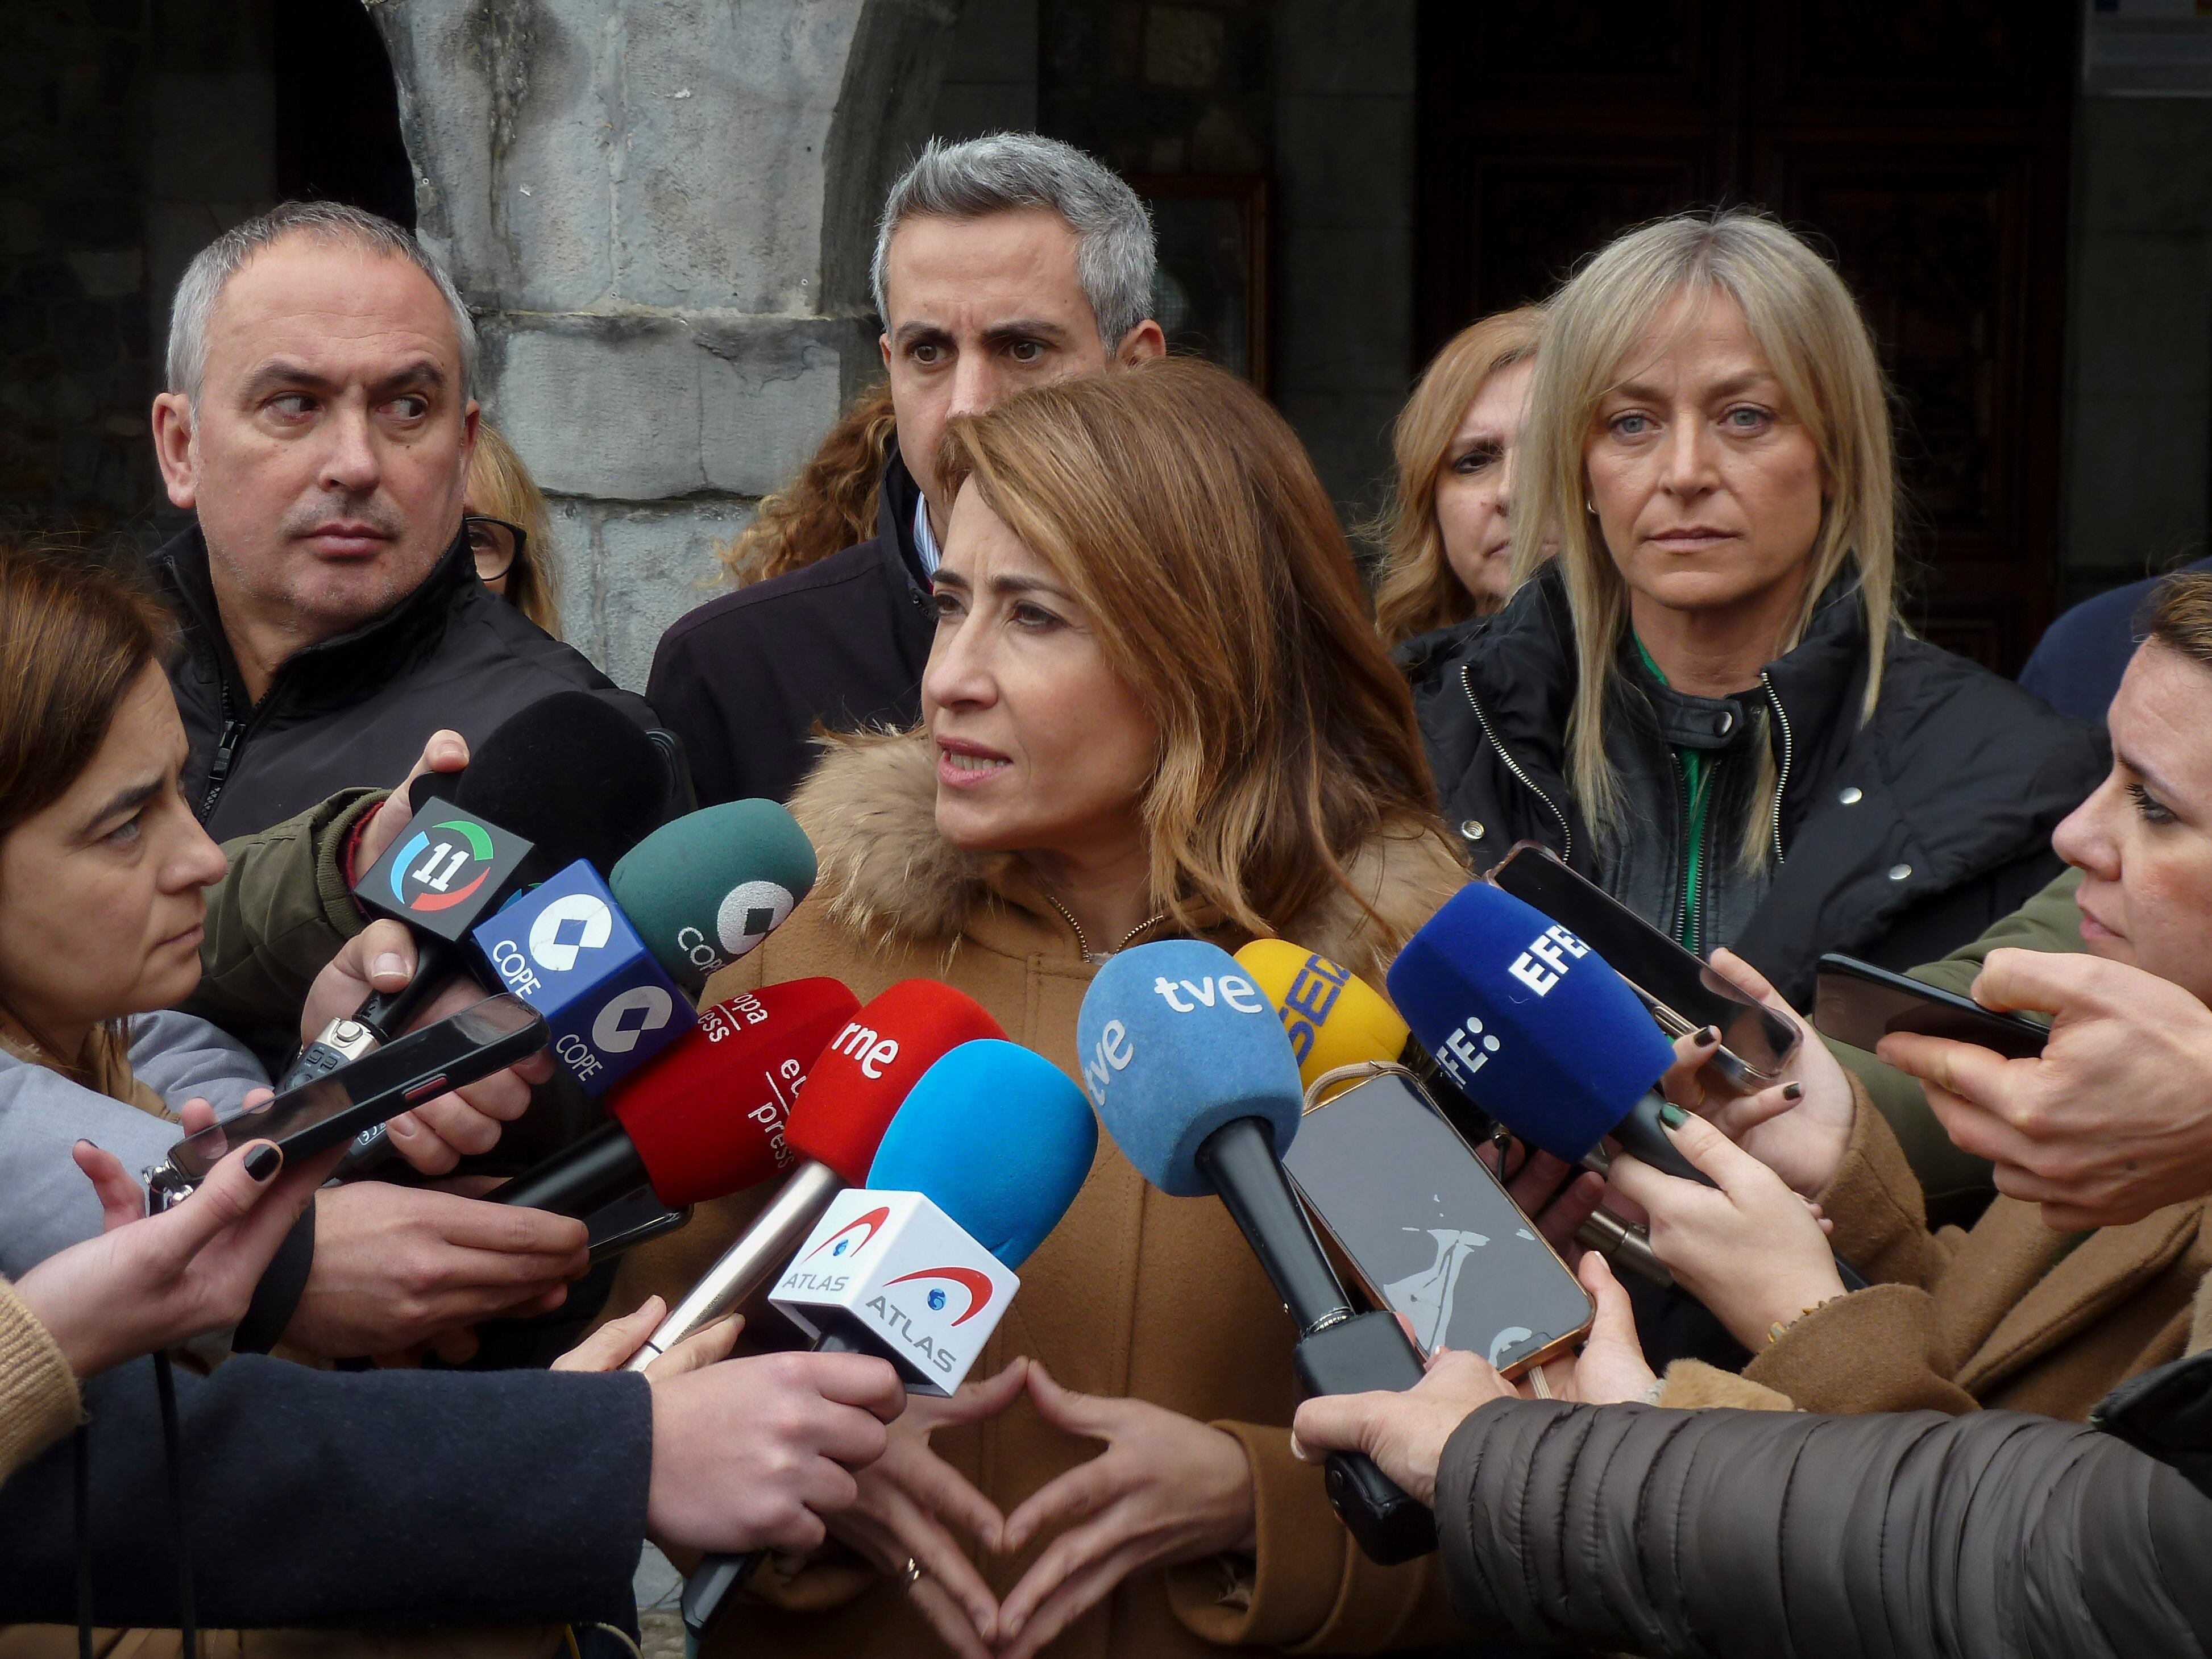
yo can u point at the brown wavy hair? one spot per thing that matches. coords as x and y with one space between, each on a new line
1183 512
75 637
829 507
1416 589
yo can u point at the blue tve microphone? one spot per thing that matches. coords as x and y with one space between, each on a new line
1188 1064
567 950
1537 1029
997 1141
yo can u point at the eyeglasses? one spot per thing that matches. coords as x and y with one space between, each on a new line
496 544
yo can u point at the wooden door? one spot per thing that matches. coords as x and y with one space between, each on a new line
1921 142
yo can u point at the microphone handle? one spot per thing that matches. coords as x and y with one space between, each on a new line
1642 1135
754 1260
384 1016
1239 1159
1338 1352
580 1177
718 1577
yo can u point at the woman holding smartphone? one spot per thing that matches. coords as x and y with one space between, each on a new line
102 873
1154 707
2013 1314
1708 702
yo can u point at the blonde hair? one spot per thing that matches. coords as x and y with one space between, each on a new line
1807 326
500 487
829 507
1181 510
1416 589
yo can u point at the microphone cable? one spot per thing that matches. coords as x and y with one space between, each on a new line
165 1383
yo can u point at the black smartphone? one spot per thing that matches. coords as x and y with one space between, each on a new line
1428 1230
1683 993
637 1216
1860 1004
383 1083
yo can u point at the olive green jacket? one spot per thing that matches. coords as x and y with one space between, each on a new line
1952 1179
279 915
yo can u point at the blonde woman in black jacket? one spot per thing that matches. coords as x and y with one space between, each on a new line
1707 703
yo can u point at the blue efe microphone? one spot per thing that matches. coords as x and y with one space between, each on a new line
1000 1140
1537 1029
1188 1064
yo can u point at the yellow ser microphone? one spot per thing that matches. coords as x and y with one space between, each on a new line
1334 1019
1332 1016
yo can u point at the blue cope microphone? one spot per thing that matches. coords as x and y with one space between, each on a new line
998 1140
1193 1076
1537 1029
567 950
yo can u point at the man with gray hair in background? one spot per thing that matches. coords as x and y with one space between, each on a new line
318 419
1001 262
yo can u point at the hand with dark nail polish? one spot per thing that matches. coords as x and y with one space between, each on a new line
148 1282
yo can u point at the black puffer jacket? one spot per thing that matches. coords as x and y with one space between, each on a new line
1898 840
1720 1532
357 710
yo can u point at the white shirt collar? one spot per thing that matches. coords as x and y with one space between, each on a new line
925 541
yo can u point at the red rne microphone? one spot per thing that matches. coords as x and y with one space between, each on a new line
706 1118
854 1087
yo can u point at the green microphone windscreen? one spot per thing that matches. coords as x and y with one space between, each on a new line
704 890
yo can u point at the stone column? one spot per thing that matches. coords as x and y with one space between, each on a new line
662 213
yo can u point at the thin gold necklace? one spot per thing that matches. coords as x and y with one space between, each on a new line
1082 941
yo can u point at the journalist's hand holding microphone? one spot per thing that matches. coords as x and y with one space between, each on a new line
1748 1247
749 1453
436 1135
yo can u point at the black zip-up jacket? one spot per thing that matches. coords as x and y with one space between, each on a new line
1914 1535
1896 841
355 709
743 679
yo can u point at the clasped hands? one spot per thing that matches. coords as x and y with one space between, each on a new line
1165 1489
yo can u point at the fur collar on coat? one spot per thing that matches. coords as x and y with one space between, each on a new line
869 808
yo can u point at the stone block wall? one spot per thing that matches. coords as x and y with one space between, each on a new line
662 212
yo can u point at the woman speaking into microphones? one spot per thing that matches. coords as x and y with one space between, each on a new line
1155 707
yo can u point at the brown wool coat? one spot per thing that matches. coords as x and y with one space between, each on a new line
1135 1294
2010 1317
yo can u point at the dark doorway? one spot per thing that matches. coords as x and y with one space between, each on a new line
337 111
1923 143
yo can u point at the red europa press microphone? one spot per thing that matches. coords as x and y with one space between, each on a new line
706 1119
854 1089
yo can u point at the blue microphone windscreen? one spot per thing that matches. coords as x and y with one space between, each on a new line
997 1138
1532 1024
1176 1040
